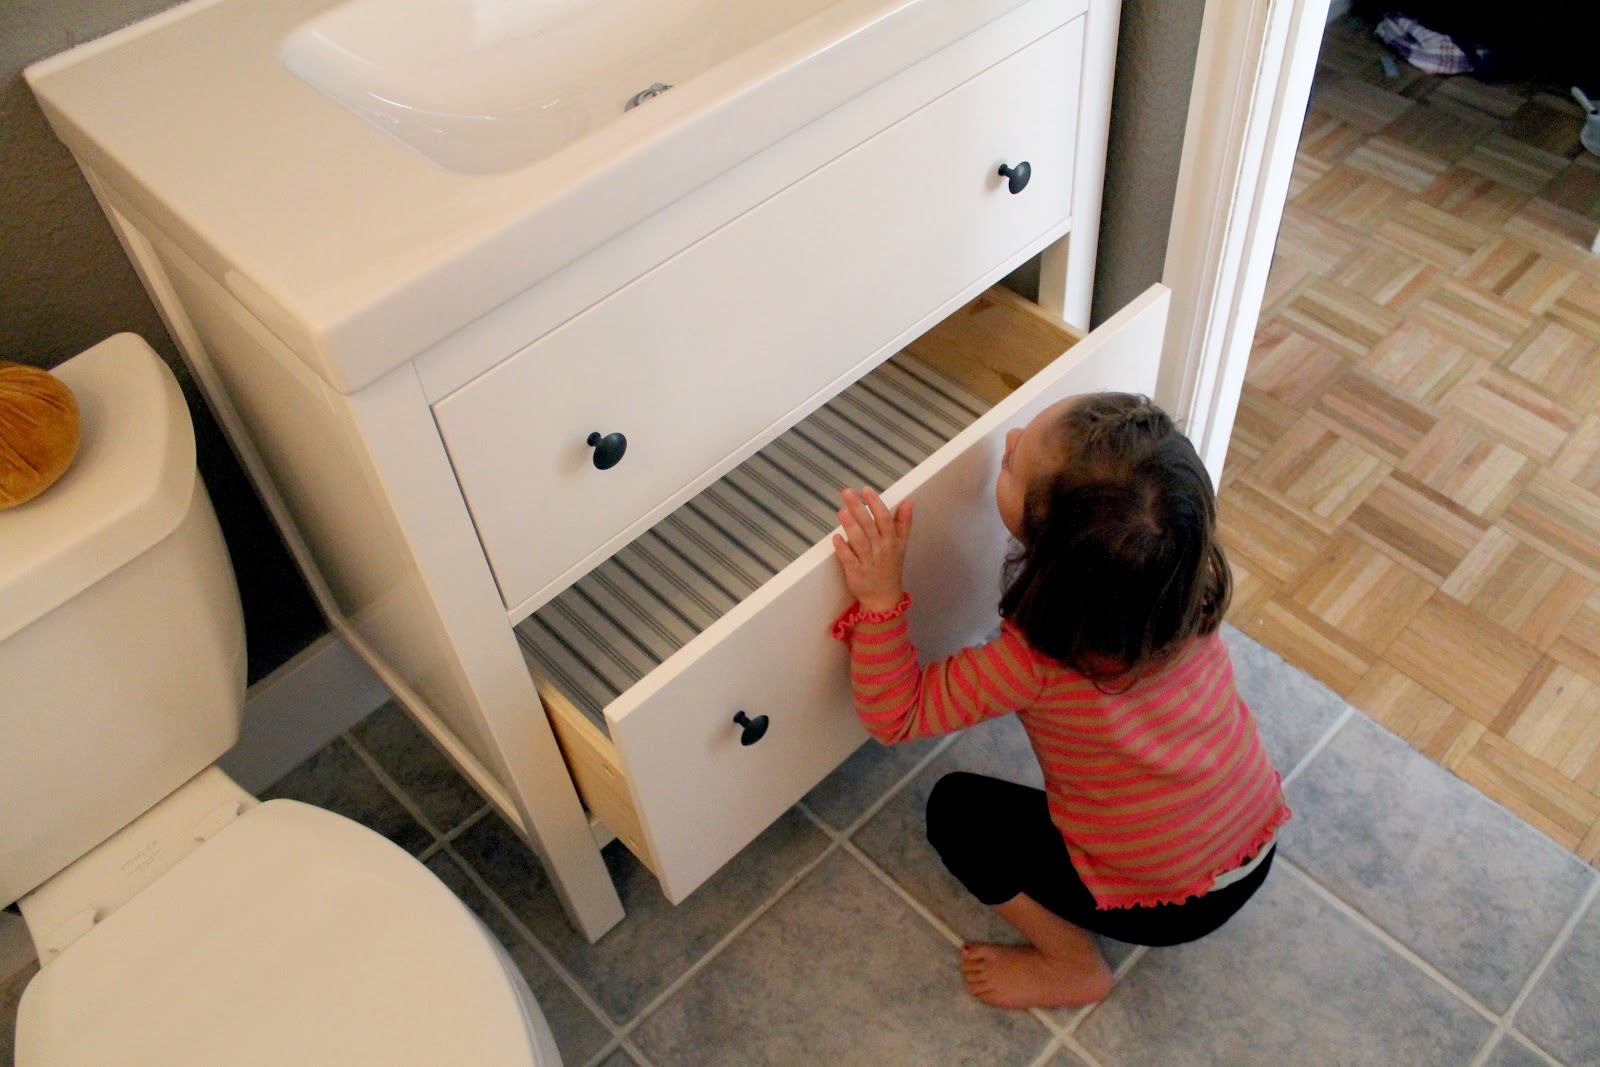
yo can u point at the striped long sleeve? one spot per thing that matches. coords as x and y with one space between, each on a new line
1155 790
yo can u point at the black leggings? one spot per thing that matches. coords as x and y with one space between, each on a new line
997 838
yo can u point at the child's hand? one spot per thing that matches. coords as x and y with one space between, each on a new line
873 548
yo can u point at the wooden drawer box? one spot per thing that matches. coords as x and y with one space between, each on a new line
921 203
724 606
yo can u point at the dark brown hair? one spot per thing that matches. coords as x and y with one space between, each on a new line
1118 565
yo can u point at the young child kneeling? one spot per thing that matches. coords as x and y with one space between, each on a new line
1160 805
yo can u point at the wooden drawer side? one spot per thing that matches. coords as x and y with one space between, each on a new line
592 761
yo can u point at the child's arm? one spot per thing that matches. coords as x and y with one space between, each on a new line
898 701
895 700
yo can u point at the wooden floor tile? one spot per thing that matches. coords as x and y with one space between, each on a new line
1475 664
1579 644
1419 362
1418 526
1341 319
1329 139
1320 650
1588 849
1530 789
1398 163
1514 163
1315 242
1559 725
1561 362
1352 197
1284 279
1577 188
1507 407
1260 422
1317 468
1551 126
1474 197
1432 725
1478 320
1290 367
1361 592
1438 132
1436 236
1250 591
1308 169
1578 308
1266 533
1473 469
1367 410
1579 459
1563 235
1520 587
1493 101
1387 276
1522 276
1363 106
1560 518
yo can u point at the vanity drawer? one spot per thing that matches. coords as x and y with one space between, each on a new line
724 606
916 215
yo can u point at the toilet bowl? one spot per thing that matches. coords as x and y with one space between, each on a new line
178 921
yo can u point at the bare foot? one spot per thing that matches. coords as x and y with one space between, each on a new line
1019 976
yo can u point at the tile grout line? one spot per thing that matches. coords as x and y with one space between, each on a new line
532 940
1389 940
1507 1024
890 793
393 788
1051 1047
1322 742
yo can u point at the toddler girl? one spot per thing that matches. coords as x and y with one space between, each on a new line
1160 805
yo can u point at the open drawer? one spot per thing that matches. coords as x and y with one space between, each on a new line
724 607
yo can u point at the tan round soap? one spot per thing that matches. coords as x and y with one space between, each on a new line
38 431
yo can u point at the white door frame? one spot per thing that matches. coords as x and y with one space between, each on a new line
1251 84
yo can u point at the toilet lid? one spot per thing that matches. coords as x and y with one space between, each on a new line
294 936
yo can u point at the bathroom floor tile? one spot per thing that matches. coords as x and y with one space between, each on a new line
1293 710
1562 1014
335 778
840 947
1289 980
1462 882
417 767
656 942
10 997
1512 1053
579 1033
846 794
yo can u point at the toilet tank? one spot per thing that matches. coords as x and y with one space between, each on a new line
122 652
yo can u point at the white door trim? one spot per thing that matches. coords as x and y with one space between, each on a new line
1252 80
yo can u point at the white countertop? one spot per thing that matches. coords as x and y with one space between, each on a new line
359 252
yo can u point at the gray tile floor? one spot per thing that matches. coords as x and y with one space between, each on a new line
1408 920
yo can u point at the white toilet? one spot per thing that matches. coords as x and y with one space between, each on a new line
177 920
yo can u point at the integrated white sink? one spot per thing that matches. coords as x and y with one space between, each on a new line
485 85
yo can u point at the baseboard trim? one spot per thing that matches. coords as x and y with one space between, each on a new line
298 708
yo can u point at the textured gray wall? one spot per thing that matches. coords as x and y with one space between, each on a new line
1155 69
65 285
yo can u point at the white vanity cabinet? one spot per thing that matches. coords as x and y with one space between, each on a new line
420 405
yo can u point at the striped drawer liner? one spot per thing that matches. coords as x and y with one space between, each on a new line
625 617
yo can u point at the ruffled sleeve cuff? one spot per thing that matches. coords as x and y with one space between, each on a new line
845 623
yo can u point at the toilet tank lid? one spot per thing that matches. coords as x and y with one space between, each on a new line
128 487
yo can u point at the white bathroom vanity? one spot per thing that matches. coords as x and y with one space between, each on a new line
552 397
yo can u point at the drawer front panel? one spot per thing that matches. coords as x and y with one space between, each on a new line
700 795
915 215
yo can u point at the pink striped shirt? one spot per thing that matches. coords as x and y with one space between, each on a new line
1156 791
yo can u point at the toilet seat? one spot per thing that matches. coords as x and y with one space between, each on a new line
293 936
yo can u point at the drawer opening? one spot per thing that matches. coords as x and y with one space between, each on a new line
628 615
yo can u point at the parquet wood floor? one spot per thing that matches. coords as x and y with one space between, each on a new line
1411 500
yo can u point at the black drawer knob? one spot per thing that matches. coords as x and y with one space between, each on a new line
608 450
754 729
1017 176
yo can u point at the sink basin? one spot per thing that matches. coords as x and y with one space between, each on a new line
486 85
